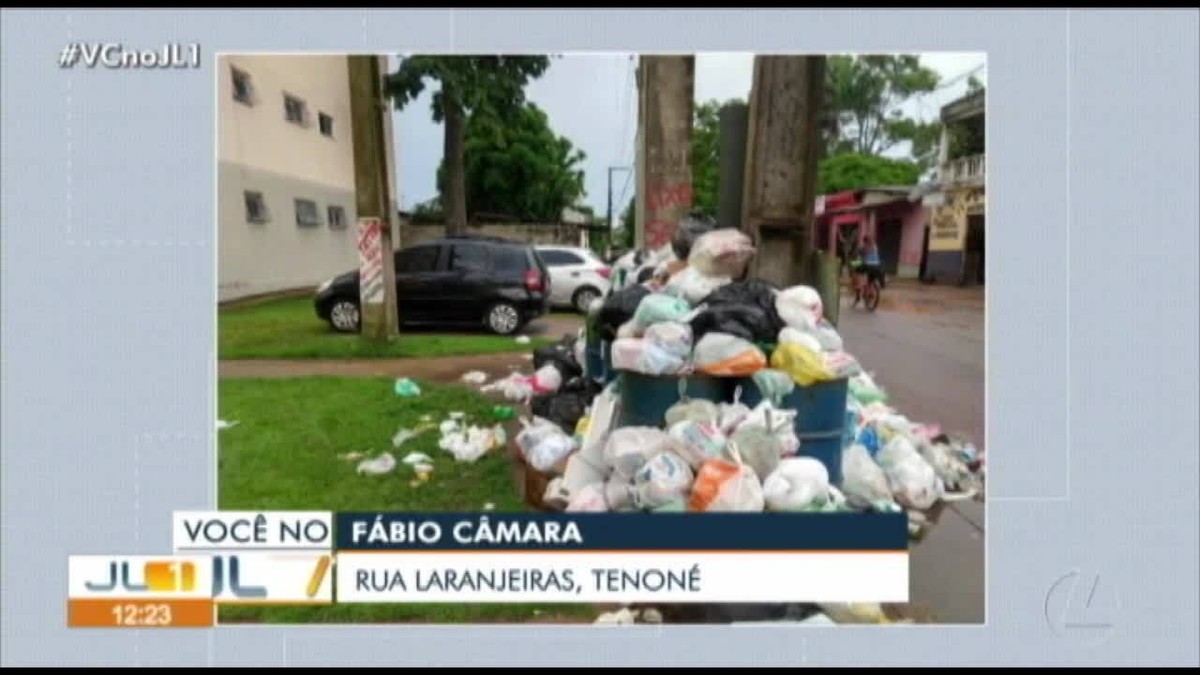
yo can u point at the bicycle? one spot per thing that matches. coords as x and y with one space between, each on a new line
866 288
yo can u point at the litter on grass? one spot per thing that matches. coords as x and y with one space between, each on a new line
475 377
222 424
522 339
380 465
406 388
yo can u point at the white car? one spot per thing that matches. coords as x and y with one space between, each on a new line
577 276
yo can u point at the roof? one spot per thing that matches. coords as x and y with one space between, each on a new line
970 105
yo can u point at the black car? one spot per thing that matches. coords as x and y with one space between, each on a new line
468 281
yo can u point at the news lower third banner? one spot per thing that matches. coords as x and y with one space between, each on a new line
322 558
621 557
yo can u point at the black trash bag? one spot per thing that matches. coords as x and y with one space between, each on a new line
619 308
751 293
645 275
561 355
689 230
745 321
566 406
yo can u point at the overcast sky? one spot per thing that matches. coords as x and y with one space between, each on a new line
590 99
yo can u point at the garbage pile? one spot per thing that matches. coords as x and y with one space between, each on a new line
689 311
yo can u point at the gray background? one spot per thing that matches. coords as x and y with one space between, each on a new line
109 290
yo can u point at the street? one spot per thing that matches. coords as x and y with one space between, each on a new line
925 347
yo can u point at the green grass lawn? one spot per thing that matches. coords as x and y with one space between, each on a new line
288 328
284 455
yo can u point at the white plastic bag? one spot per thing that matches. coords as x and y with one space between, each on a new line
798 483
698 409
641 356
515 387
758 448
674 338
664 479
380 465
800 307
862 479
544 444
629 448
724 355
618 494
723 252
693 286
731 415
780 422
547 379
800 337
600 421
589 499
913 482
722 485
827 337
658 308
697 441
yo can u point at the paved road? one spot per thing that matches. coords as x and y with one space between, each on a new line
926 348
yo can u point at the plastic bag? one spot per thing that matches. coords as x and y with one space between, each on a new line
864 389
841 364
828 337
781 423
515 387
697 409
722 253
546 380
693 286
618 494
659 307
639 356
629 448
697 441
757 447
600 420
564 408
384 463
628 330
748 293
664 479
722 485
773 385
561 355
544 444
862 478
725 355
589 499
671 337
950 469
798 484
747 322
912 480
803 338
805 366
800 307
618 309
730 415
869 439
692 227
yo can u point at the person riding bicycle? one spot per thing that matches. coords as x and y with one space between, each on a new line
869 262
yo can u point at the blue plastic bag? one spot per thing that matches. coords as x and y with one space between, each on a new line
869 439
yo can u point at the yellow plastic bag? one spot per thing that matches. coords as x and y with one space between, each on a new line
804 365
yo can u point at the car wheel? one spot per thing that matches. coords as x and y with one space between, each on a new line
503 319
584 298
344 316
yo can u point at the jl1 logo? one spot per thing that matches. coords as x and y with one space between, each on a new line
174 577
158 576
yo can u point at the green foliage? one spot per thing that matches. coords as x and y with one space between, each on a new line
862 95
854 171
973 84
467 82
517 167
706 156
623 235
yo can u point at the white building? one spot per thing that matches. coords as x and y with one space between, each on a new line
285 172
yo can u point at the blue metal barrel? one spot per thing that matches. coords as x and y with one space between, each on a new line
645 399
820 420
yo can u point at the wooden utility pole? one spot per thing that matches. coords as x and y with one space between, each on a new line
372 184
781 165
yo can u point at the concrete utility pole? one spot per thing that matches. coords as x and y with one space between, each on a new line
731 139
782 148
373 188
665 99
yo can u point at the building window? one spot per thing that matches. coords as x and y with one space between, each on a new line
306 213
243 90
295 110
337 217
256 207
326 123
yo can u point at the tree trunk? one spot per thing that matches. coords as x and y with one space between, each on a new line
454 204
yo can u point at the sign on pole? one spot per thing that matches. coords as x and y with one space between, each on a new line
370 258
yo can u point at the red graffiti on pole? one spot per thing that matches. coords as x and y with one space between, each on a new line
665 206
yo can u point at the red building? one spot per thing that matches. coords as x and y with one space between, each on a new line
892 215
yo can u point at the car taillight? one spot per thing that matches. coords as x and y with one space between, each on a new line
604 272
533 280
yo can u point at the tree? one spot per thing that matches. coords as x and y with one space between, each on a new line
623 236
706 148
862 96
467 84
854 171
516 166
973 84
